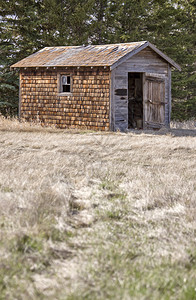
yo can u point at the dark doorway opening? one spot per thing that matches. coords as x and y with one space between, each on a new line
135 100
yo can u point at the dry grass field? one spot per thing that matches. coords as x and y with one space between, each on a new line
90 215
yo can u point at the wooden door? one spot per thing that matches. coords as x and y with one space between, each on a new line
154 100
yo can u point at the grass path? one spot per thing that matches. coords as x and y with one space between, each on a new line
97 215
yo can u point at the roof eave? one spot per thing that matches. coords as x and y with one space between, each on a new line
59 66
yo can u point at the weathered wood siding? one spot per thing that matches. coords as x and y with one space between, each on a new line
146 61
87 106
119 105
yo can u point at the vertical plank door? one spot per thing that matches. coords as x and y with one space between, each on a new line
154 100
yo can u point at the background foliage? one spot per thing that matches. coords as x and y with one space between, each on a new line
27 26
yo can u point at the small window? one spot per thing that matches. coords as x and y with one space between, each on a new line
65 84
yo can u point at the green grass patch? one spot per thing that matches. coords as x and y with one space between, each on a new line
107 184
115 214
27 244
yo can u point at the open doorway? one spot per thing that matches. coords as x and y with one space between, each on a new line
135 100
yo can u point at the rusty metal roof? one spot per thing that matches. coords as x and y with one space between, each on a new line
99 55
92 55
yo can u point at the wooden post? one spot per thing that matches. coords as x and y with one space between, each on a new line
170 97
144 98
19 105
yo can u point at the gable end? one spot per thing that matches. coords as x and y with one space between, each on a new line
142 47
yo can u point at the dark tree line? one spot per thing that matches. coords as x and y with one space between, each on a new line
29 25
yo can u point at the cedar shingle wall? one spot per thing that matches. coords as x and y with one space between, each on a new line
88 106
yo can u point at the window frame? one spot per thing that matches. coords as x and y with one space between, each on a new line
60 86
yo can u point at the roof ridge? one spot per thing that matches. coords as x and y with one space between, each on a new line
91 45
116 44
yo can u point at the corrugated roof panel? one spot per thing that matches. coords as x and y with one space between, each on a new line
91 55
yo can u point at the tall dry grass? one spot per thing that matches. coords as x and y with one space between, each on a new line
190 124
96 215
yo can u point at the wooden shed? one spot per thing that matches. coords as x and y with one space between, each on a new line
102 87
